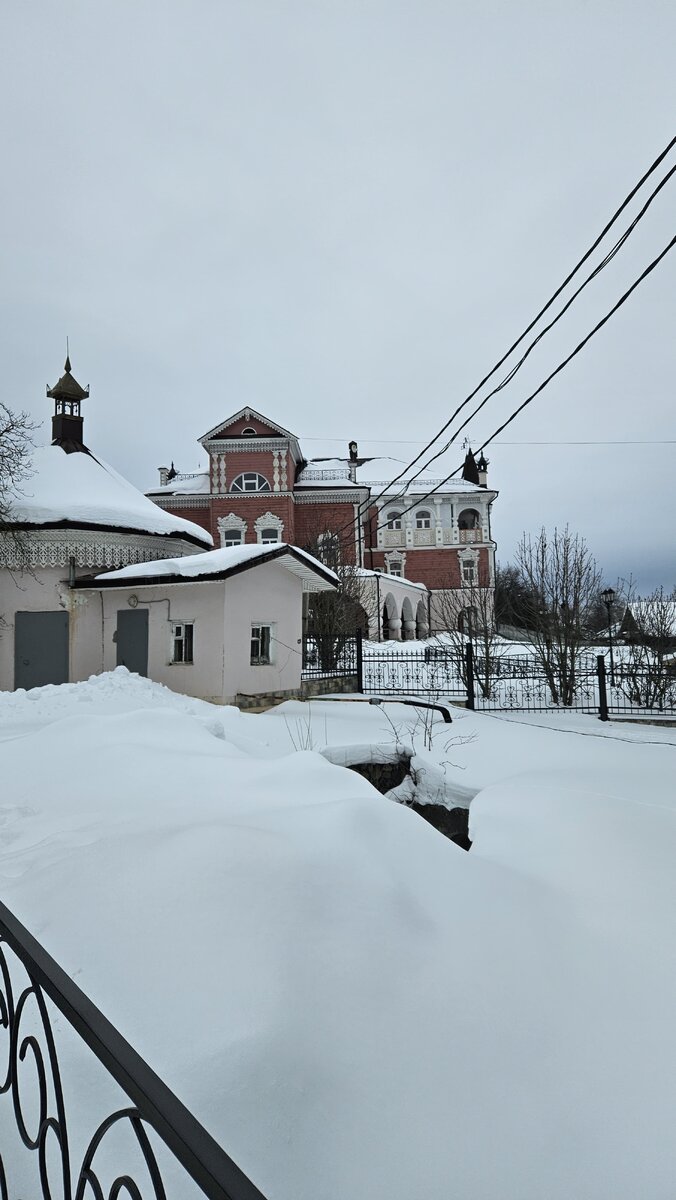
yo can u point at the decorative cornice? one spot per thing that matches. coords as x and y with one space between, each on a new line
245 445
328 497
202 500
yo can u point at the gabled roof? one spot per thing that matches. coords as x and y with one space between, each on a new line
215 565
246 414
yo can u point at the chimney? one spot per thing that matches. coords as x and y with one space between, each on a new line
353 460
164 476
482 468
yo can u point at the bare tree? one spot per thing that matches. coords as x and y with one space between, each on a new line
333 618
467 615
563 580
645 673
15 452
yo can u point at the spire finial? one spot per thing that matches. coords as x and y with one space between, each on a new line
67 366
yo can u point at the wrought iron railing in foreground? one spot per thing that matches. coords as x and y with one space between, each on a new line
42 1120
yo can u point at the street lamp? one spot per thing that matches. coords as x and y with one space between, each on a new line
608 597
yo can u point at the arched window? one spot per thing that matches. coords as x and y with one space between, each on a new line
423 520
250 481
249 432
469 519
394 520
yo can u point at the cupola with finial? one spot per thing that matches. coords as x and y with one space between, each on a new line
482 468
67 421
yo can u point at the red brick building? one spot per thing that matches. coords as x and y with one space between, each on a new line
259 487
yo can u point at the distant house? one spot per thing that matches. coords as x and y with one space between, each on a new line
260 489
208 624
651 621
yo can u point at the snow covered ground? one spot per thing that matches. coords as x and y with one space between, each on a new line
352 1005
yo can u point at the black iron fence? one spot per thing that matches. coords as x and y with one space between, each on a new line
501 682
34 990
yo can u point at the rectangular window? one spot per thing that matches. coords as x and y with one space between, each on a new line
396 568
182 641
261 638
468 573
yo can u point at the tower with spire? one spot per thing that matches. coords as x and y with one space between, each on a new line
67 421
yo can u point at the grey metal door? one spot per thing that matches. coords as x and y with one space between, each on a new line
132 639
40 648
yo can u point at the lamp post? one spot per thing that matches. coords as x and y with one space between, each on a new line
608 597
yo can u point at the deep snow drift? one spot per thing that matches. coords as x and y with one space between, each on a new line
351 1004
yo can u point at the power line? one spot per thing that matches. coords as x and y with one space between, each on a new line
552 442
511 373
580 346
653 167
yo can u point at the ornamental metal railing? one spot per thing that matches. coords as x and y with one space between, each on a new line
520 683
162 1136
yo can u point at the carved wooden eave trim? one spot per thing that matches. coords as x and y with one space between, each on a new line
56 547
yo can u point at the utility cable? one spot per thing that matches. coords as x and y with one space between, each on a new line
366 504
510 375
580 346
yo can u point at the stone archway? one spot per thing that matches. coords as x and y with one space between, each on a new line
422 629
408 620
391 621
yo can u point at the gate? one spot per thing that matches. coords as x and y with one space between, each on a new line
40 648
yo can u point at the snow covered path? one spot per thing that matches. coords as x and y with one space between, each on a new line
354 1006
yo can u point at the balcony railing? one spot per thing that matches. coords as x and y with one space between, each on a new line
394 537
470 535
40 1111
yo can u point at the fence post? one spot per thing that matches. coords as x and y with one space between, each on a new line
360 661
469 662
603 693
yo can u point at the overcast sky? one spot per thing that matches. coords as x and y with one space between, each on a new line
342 213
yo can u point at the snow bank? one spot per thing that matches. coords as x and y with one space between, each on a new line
350 1003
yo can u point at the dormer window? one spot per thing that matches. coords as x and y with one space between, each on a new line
249 432
250 481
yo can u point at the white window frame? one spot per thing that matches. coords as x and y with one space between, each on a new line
262 637
469 573
178 637
261 483
394 519
423 519
396 558
265 523
229 523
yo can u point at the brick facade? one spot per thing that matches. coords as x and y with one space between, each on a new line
311 499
